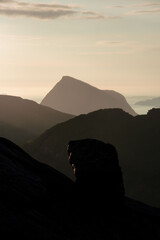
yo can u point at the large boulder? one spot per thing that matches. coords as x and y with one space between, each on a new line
99 196
96 167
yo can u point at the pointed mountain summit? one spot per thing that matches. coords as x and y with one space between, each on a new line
76 97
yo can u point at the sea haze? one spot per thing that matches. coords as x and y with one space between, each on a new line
140 109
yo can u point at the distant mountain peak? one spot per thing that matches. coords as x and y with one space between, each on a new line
74 96
71 80
66 77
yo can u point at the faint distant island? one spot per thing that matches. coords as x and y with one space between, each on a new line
153 102
76 97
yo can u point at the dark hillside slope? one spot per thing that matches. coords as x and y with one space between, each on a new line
32 196
22 119
136 139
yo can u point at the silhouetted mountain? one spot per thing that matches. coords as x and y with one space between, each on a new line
154 102
33 196
22 120
136 139
76 97
37 202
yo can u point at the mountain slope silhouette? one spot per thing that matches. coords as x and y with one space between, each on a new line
22 120
76 97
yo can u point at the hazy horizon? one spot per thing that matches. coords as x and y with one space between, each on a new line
131 99
139 109
110 45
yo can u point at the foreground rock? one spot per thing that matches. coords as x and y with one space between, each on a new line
100 194
37 202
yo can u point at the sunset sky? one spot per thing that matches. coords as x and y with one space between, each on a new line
111 44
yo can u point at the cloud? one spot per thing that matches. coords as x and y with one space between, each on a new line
116 43
138 9
46 11
36 10
116 6
146 5
93 15
141 5
141 12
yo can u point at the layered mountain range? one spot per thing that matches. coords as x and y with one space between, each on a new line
39 201
135 138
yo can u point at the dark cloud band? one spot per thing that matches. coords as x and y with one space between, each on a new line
46 11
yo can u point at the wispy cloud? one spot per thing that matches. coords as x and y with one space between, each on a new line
141 12
139 9
140 5
93 15
41 11
46 11
116 43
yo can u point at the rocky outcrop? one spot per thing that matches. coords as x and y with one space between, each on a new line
96 168
37 202
100 195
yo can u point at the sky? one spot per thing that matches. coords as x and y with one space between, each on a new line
110 44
